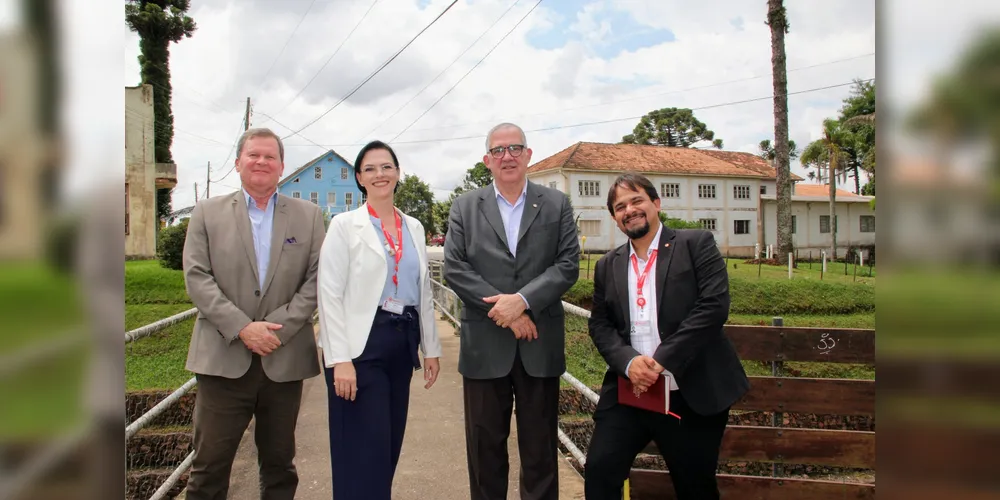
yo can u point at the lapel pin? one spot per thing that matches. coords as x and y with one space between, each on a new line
534 205
666 245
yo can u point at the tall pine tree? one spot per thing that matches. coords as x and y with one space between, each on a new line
159 22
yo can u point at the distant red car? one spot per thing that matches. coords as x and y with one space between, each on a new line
436 240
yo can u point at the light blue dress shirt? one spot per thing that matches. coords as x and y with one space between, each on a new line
409 266
511 215
261 222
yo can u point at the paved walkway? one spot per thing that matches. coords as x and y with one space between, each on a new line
432 464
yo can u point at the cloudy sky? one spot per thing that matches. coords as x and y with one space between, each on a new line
567 65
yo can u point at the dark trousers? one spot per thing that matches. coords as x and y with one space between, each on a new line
488 405
366 435
222 411
690 447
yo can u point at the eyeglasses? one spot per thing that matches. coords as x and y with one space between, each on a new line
515 151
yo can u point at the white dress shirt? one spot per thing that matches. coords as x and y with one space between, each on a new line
647 343
511 216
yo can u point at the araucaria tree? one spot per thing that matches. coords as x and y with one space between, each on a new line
676 127
158 23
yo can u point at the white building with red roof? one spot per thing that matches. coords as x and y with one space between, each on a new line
730 193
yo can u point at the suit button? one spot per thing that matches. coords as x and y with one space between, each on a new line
256 292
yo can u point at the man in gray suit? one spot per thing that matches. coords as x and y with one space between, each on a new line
250 262
511 252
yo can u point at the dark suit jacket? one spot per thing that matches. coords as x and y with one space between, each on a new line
692 288
477 264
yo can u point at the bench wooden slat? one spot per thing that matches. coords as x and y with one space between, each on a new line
810 395
650 484
796 446
832 345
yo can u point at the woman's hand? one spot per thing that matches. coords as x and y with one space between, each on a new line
345 380
432 367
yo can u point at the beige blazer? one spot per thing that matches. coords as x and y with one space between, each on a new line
220 272
352 273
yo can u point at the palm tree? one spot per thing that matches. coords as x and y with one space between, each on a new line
829 150
777 20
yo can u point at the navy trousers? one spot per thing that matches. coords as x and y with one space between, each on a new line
366 435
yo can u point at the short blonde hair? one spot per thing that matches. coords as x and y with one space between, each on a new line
260 132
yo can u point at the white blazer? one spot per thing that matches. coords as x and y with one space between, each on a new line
351 276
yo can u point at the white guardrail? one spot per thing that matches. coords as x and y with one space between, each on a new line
576 384
167 402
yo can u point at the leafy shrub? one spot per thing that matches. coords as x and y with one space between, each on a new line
170 245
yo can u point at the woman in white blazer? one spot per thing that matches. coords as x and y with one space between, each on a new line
375 310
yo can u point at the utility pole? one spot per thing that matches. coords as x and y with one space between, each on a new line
208 180
246 117
196 192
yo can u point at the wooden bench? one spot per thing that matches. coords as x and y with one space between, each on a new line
821 447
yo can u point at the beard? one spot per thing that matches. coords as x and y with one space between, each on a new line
637 232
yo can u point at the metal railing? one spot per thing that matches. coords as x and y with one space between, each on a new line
167 402
587 392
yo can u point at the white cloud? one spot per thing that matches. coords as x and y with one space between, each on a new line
236 42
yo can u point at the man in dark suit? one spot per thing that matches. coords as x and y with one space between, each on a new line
670 324
511 252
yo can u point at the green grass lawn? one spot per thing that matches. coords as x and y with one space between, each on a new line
153 293
41 305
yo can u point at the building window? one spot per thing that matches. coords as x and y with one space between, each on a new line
741 192
741 227
668 190
364 199
314 197
590 228
126 208
795 224
343 173
590 188
348 199
824 223
706 191
867 223
331 198
295 180
553 185
296 195
318 172
709 224
763 189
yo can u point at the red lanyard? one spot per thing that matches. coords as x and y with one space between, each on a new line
396 250
640 279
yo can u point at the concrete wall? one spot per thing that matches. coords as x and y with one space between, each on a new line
140 173
22 202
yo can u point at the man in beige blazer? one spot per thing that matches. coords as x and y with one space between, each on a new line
250 262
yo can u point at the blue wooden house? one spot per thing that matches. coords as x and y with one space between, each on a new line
328 181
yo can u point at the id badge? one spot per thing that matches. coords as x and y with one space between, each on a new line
392 305
641 328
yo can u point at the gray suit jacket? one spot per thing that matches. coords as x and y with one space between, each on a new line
478 264
220 271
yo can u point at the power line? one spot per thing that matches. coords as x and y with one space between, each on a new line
467 49
380 68
233 148
614 120
321 68
676 91
283 47
468 72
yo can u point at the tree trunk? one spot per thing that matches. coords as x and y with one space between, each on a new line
778 23
155 61
833 204
857 177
